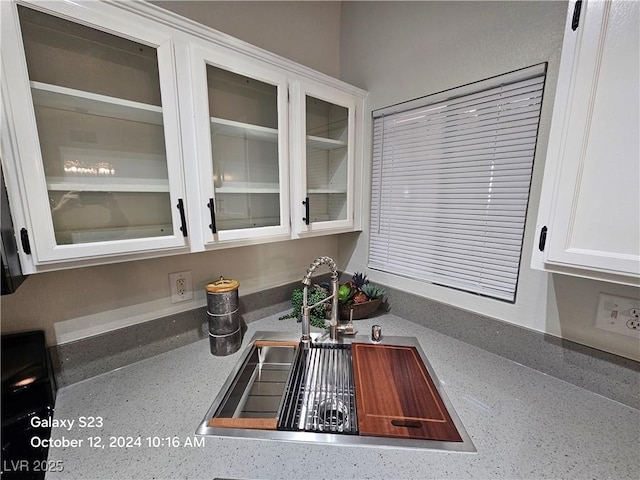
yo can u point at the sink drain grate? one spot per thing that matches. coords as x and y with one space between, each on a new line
320 395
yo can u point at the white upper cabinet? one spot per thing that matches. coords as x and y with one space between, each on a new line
241 112
130 132
94 132
323 140
590 205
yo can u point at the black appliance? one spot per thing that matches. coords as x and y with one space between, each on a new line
28 391
11 271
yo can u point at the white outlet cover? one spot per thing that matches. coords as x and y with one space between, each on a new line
615 312
173 286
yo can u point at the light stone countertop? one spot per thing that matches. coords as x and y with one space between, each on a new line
524 424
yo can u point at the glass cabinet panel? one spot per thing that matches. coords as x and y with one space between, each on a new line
327 137
244 150
99 117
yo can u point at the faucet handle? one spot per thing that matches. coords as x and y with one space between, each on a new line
333 332
376 333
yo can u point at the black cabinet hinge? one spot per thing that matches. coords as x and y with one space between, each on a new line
24 239
576 15
543 239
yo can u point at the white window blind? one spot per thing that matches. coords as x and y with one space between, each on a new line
450 184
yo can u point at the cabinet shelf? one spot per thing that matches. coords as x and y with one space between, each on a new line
97 184
320 191
110 234
242 223
240 189
231 128
71 100
322 143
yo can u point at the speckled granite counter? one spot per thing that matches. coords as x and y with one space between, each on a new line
523 423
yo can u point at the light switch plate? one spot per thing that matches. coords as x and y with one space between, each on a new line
619 315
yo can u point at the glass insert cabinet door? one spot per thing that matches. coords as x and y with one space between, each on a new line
327 123
326 144
106 138
242 134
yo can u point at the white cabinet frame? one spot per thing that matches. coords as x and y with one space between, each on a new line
300 89
200 58
23 135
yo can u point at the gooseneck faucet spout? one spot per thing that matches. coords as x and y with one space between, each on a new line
306 308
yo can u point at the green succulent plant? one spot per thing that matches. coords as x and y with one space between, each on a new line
345 292
358 290
372 291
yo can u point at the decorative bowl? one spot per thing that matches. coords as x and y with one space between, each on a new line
360 310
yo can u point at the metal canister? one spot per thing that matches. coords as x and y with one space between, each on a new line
225 326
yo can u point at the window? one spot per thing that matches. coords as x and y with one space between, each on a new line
450 183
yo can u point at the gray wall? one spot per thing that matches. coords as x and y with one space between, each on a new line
403 50
305 32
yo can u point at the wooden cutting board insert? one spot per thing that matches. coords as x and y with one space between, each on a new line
396 397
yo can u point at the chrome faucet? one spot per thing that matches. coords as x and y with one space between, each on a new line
306 309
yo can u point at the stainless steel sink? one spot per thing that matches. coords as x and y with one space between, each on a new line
282 392
254 393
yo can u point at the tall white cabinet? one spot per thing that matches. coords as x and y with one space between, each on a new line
129 132
589 218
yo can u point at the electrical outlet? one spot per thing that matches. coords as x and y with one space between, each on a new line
633 324
619 315
180 286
